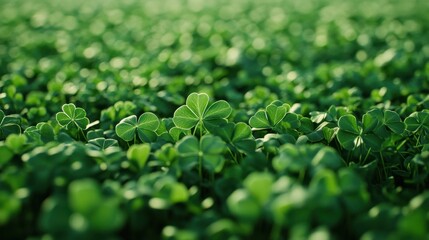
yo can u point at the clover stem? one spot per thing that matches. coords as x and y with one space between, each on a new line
401 144
418 140
384 167
83 135
349 155
195 130
232 155
366 156
200 167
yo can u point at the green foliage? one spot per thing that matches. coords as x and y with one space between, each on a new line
72 117
41 133
275 117
145 127
6 154
351 135
102 143
205 153
199 113
139 154
243 205
259 186
91 210
418 121
16 142
8 125
238 136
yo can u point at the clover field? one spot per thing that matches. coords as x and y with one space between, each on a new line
192 119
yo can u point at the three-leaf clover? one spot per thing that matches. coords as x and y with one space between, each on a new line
418 121
383 122
270 117
41 133
145 127
276 117
8 125
238 136
350 135
199 113
102 143
205 153
72 117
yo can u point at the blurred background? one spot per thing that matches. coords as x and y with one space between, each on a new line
152 54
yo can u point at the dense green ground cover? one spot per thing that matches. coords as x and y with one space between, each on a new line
272 119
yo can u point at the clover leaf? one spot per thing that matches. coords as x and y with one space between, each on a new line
238 136
199 113
16 142
8 125
293 158
418 121
139 153
329 116
163 190
178 133
166 192
392 120
33 134
259 185
275 117
350 135
349 132
72 117
205 153
102 143
145 127
41 133
244 206
6 153
383 122
270 117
